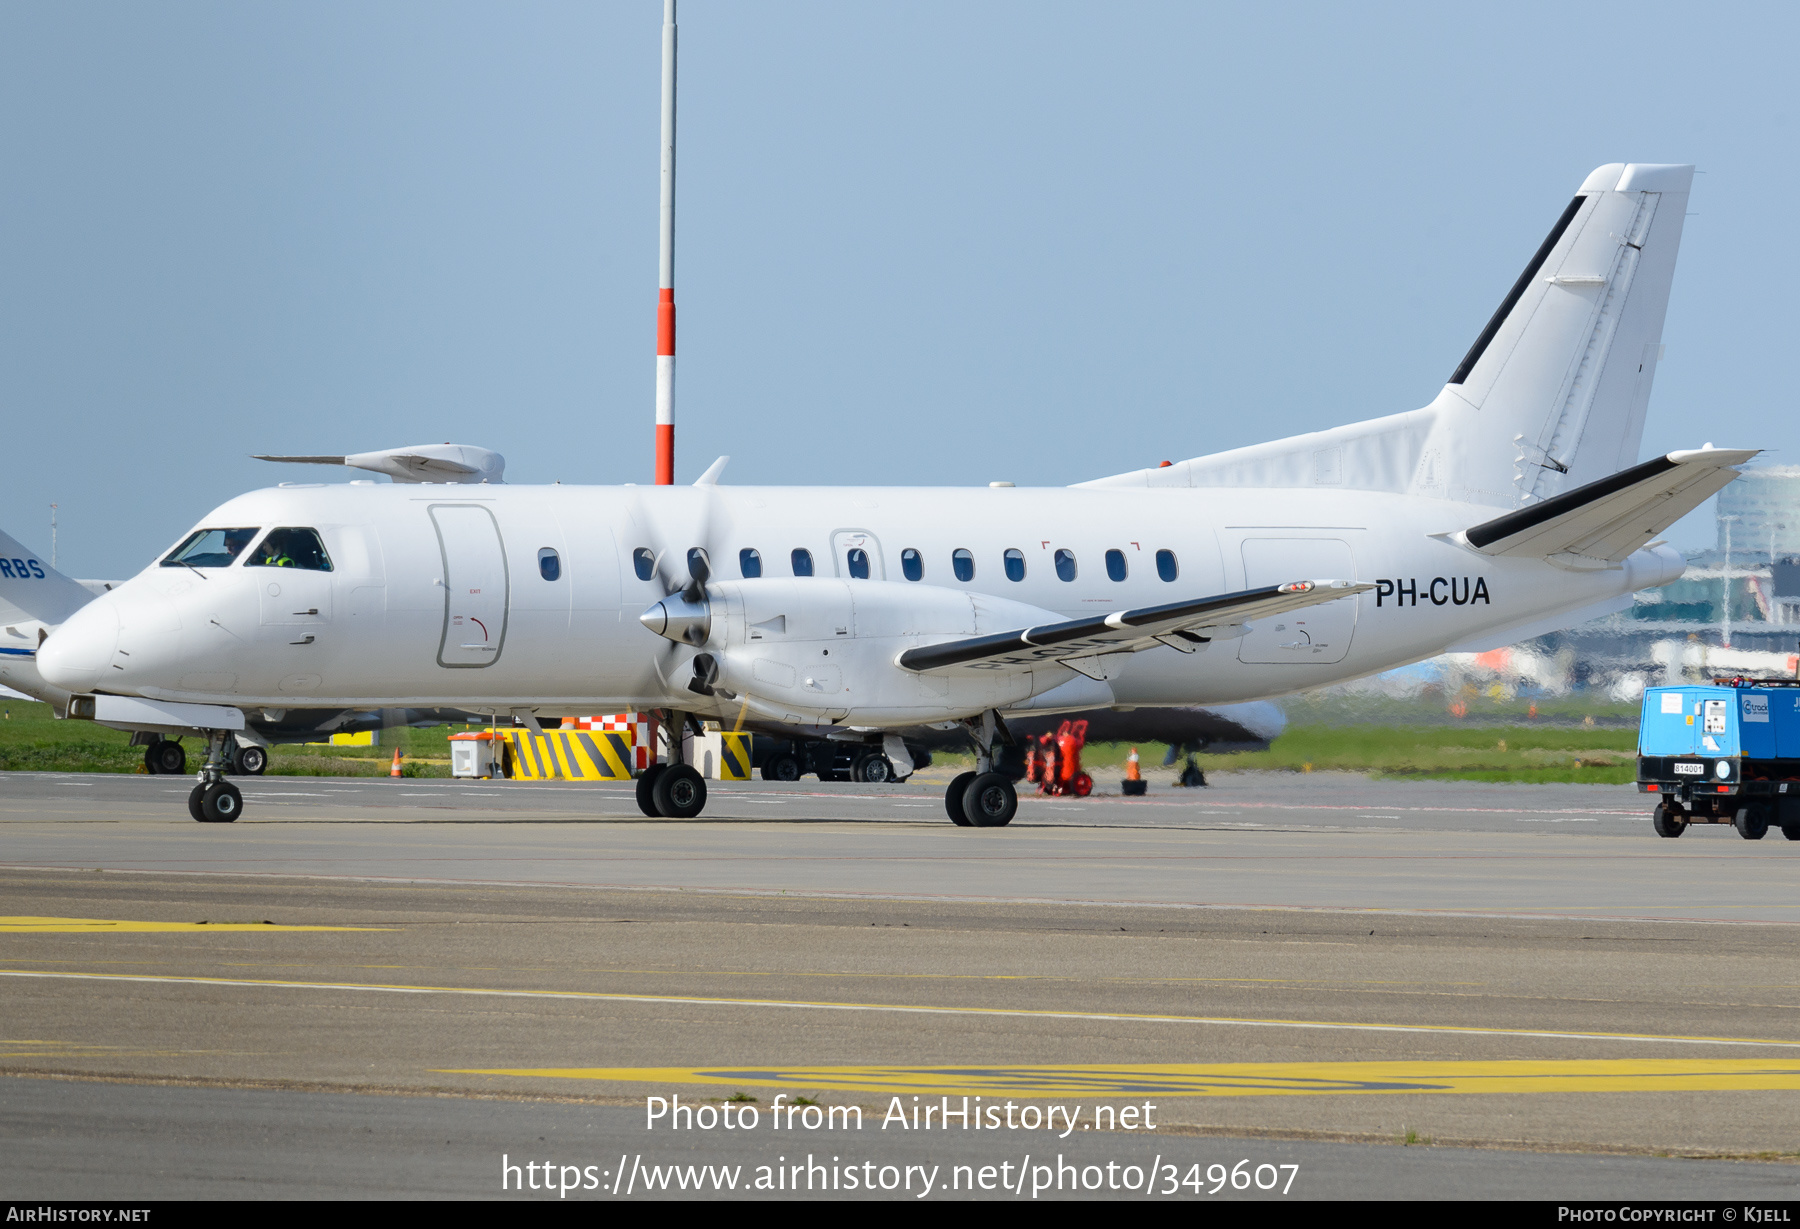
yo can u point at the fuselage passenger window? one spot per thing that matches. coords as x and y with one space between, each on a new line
549 564
1165 565
291 548
963 563
802 559
912 566
1015 563
858 559
750 563
1115 564
698 562
643 562
1065 565
210 548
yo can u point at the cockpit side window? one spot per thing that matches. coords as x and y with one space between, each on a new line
291 548
210 548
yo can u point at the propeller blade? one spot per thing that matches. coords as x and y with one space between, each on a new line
699 572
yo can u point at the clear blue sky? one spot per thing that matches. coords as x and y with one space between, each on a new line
934 243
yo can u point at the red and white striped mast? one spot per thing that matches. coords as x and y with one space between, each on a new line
665 306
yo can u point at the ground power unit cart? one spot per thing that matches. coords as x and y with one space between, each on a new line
1724 753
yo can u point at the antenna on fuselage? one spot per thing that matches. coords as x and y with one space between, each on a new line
665 305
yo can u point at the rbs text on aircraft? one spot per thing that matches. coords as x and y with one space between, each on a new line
22 569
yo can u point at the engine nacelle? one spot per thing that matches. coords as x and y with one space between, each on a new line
821 650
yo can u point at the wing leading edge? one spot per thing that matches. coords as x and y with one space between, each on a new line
1177 624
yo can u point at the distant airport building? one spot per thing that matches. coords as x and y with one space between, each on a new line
1761 512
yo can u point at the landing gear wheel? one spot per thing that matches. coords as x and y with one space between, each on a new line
221 803
250 761
646 790
1751 822
783 767
1668 822
1791 831
990 801
680 792
194 809
953 800
873 769
165 756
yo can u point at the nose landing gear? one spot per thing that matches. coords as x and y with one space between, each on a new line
215 800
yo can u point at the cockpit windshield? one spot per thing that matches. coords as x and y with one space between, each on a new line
210 548
291 548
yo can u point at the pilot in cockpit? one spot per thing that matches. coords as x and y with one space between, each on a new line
272 554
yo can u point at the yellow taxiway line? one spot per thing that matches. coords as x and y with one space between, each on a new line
592 996
1223 1079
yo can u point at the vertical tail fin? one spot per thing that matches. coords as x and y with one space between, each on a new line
1553 392
31 589
1551 395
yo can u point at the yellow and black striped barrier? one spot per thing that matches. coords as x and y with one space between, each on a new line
733 756
572 755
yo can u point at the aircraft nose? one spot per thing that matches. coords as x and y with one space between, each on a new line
76 655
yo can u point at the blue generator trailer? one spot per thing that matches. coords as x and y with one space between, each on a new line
1723 753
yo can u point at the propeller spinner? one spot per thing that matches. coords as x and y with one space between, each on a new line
685 616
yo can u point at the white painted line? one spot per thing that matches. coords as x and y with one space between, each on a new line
901 1008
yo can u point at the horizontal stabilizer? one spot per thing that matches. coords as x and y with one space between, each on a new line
1180 625
1599 524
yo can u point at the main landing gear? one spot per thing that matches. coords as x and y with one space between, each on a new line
983 798
165 756
215 800
675 790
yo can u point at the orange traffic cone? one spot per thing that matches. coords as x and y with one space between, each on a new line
1134 784
395 770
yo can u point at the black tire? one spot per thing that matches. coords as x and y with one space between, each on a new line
1791 831
873 769
165 756
250 761
194 797
680 792
783 767
222 803
646 790
1752 823
953 800
1667 822
991 801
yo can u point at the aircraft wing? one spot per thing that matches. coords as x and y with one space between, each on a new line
300 460
417 463
1180 625
1599 524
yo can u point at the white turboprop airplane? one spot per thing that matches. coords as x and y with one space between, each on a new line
1511 505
